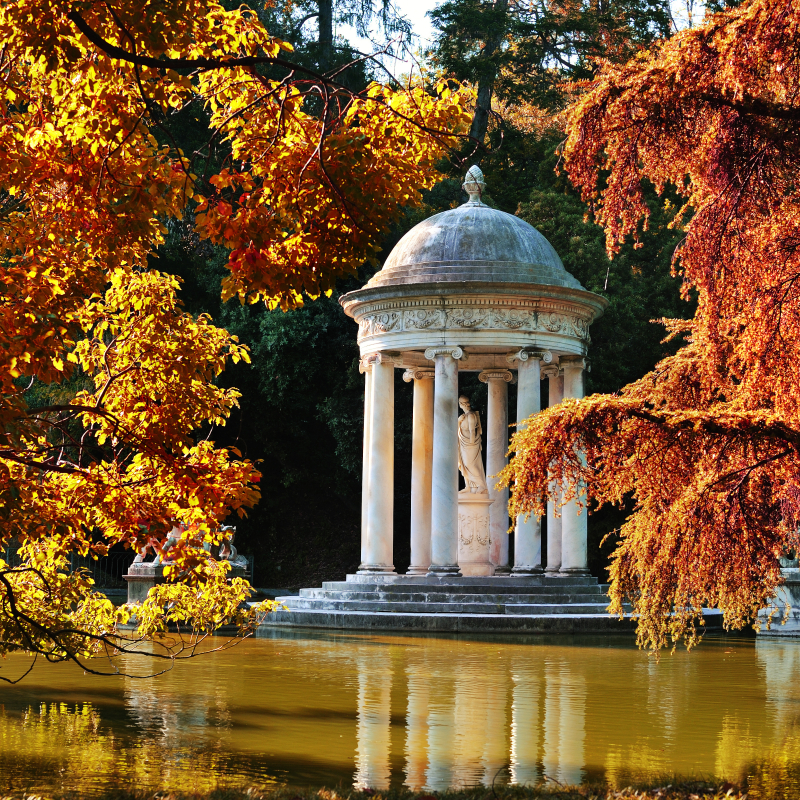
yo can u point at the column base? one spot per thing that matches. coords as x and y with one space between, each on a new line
373 569
553 570
502 570
527 571
578 571
417 571
444 570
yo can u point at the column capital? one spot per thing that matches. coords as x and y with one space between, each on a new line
418 374
455 352
551 371
495 375
529 352
574 362
366 363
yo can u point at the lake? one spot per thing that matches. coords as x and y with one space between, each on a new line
430 712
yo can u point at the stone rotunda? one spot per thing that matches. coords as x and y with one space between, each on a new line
472 289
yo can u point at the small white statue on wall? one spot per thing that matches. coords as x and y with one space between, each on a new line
469 449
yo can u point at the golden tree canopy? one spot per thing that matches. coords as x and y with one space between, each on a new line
89 175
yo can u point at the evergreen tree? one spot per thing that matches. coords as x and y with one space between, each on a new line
532 51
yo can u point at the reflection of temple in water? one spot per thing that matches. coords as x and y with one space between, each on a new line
527 715
490 719
425 712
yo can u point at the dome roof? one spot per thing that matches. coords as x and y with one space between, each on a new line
473 243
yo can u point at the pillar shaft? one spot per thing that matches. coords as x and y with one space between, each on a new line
444 498
496 449
528 532
380 503
556 395
574 559
366 368
421 469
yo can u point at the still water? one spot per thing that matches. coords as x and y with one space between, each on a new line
426 712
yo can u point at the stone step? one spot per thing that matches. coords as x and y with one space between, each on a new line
559 608
449 623
432 580
446 597
302 603
476 586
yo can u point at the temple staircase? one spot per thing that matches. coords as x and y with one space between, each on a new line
499 604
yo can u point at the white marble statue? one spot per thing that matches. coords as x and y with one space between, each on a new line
227 552
469 449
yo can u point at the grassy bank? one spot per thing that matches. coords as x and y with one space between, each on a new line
682 791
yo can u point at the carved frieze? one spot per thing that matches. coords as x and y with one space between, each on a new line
579 327
513 320
469 318
423 318
379 323
555 323
383 323
364 328
488 316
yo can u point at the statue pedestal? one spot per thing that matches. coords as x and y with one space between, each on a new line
141 578
473 534
145 575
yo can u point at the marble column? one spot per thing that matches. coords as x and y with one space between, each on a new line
496 449
556 395
573 518
444 482
378 542
421 467
528 532
365 367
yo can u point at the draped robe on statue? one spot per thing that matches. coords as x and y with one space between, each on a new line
469 452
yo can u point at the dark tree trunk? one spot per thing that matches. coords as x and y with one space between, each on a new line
483 103
325 35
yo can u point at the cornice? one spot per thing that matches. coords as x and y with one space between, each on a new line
522 295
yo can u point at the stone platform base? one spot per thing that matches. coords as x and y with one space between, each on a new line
499 604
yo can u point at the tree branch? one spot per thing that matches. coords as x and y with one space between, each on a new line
754 107
114 51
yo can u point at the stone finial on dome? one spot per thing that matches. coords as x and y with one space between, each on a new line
474 185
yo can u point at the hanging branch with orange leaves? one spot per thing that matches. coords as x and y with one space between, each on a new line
313 176
707 446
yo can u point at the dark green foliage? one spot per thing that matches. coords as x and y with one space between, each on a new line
545 43
637 283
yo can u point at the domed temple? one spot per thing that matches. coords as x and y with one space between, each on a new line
472 289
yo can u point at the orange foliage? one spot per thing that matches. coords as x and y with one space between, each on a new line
316 175
707 445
